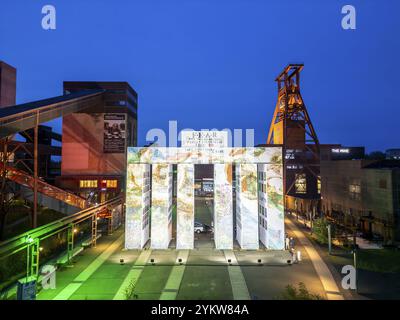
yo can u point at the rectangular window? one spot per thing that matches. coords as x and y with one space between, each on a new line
300 183
112 183
355 189
88 183
319 185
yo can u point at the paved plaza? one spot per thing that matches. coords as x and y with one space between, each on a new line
202 273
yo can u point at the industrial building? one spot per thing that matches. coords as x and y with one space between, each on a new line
94 141
87 167
363 195
393 154
8 84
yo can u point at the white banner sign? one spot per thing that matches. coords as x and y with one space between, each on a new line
204 139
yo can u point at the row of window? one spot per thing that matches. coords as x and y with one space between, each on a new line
95 183
262 175
262 187
262 222
262 210
145 218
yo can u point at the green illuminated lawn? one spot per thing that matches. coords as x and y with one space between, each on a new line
377 260
205 282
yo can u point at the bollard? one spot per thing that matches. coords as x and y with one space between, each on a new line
298 255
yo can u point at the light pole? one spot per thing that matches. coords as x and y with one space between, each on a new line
355 265
329 239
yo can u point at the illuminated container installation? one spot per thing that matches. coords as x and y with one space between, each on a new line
185 207
249 162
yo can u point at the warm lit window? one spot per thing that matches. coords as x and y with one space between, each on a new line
111 183
88 183
319 185
355 190
300 183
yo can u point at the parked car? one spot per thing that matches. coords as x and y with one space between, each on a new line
199 227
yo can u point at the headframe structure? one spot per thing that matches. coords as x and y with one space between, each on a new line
292 128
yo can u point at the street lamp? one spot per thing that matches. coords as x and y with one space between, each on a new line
329 239
355 265
29 239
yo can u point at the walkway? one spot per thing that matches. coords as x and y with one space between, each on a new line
133 275
238 283
70 289
175 277
331 289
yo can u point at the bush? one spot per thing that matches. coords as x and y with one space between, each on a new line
300 293
129 290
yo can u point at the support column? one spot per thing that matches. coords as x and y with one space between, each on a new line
70 242
33 252
35 171
185 207
262 203
161 206
94 230
137 206
275 208
223 206
247 206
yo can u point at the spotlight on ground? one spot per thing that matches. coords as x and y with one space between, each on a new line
229 261
121 261
289 261
152 262
180 261
259 262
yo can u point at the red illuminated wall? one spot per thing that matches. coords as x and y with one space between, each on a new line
8 78
82 147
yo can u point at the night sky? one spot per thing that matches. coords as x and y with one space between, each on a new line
212 64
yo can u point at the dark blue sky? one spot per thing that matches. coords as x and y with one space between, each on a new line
212 64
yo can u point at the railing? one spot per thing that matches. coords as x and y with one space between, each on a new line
25 116
27 180
49 107
31 240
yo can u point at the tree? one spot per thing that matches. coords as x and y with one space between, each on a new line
376 155
320 229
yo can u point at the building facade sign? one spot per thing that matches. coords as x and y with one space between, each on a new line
204 139
114 133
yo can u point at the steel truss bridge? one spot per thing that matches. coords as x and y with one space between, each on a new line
18 118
